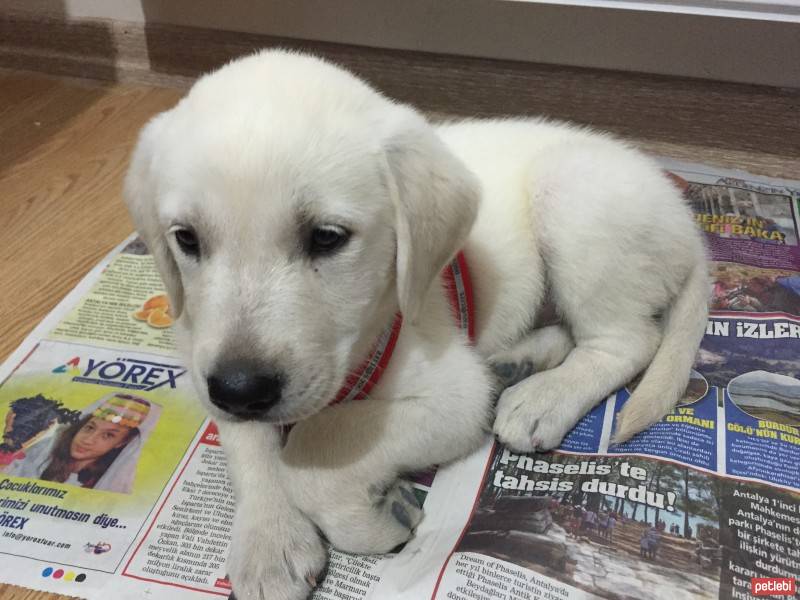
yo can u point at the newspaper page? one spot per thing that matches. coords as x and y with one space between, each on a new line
695 507
705 503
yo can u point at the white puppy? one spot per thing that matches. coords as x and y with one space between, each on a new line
293 211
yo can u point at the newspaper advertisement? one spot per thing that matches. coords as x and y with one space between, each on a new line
114 481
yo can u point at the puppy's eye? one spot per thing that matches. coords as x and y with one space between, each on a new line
328 238
187 241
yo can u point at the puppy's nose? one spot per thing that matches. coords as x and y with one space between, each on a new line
244 388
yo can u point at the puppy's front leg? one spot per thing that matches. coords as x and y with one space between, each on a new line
345 462
276 553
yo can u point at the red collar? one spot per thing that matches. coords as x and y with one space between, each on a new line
458 286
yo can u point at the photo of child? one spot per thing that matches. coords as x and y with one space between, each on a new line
98 450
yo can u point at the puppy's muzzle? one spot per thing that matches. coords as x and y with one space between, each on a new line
245 389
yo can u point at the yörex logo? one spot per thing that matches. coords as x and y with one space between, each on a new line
130 374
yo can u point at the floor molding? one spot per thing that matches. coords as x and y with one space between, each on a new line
659 111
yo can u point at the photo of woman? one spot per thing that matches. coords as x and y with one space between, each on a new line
99 451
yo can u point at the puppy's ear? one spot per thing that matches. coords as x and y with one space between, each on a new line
436 201
141 195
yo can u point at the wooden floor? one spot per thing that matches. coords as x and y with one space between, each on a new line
63 151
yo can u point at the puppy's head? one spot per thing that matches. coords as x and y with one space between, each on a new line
291 211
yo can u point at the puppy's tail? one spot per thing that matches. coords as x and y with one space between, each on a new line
665 380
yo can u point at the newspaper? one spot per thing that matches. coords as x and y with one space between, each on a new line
696 507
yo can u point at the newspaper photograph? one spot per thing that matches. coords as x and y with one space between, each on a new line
113 480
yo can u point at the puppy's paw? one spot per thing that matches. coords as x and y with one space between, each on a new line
375 522
402 503
527 422
509 371
280 557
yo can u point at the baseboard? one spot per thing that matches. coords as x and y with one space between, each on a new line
665 109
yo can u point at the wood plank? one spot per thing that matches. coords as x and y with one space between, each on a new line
13 592
60 203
